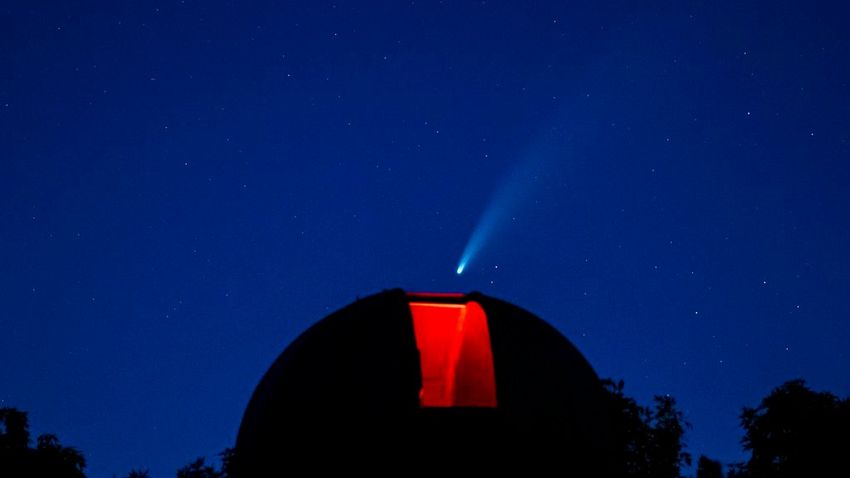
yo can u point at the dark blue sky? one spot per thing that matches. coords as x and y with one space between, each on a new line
185 186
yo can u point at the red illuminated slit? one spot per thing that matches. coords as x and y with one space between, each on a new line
454 355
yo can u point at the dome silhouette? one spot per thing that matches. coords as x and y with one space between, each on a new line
432 378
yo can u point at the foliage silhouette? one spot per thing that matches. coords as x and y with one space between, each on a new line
48 459
15 432
138 473
795 432
199 469
708 468
228 463
648 441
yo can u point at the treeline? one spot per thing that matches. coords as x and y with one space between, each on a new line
793 432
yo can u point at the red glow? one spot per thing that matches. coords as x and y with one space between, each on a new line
454 355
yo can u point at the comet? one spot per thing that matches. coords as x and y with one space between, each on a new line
503 206
489 223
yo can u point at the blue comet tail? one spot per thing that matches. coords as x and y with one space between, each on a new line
508 198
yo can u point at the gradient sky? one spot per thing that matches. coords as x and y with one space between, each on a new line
185 186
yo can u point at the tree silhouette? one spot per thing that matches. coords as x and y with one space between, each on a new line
199 469
795 432
139 473
648 441
708 468
48 459
14 442
14 430
53 459
667 449
228 463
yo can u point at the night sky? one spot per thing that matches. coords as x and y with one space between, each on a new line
186 186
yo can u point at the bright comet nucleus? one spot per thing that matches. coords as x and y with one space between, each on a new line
460 268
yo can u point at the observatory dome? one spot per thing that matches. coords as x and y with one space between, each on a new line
440 377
